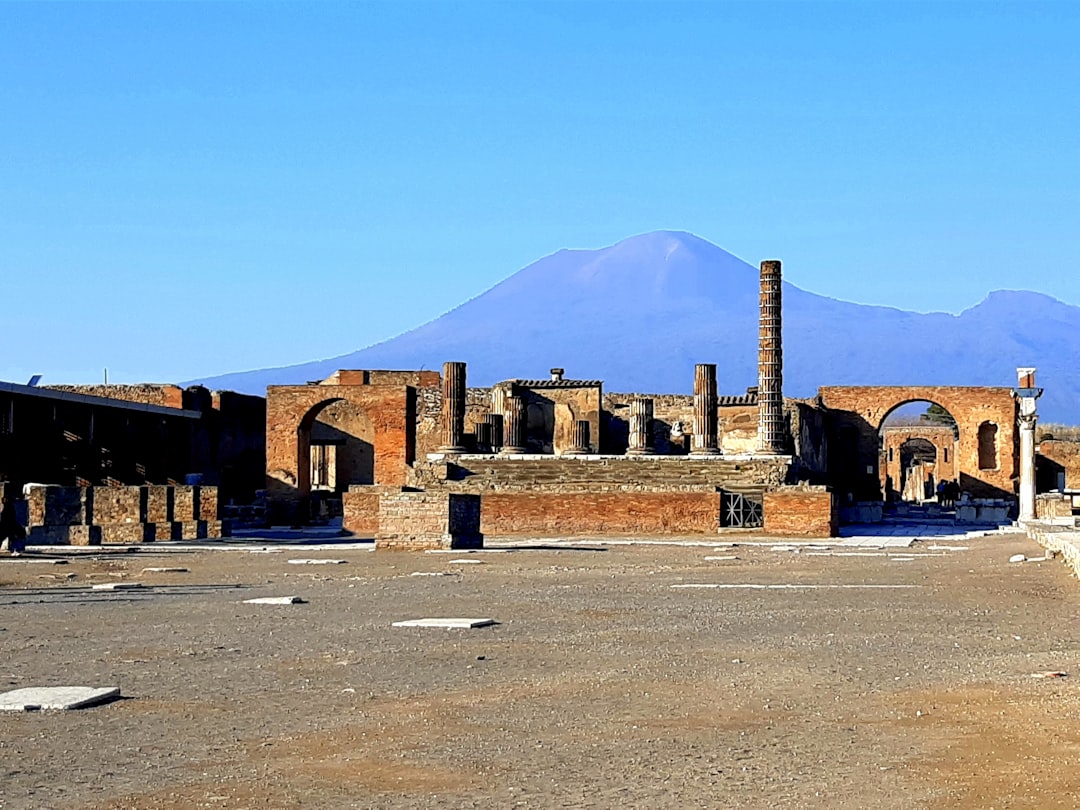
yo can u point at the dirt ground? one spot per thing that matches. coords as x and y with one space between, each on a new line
602 685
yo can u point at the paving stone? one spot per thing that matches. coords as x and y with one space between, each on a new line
430 574
465 624
165 570
117 586
465 562
275 600
725 557
34 698
317 562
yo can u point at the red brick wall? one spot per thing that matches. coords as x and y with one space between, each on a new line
1066 454
597 513
360 510
801 512
415 521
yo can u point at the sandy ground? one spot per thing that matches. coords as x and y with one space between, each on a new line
603 686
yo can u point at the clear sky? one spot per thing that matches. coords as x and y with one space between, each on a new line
201 188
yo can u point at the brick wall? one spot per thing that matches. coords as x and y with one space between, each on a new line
360 510
1064 456
166 396
801 512
539 514
415 521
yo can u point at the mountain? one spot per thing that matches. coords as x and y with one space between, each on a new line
640 313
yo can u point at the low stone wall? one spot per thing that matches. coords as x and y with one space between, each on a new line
1057 540
360 509
1054 506
990 511
801 512
94 515
418 521
539 514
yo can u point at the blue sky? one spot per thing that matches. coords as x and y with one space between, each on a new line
194 189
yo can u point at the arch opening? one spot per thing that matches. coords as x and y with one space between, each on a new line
335 449
918 442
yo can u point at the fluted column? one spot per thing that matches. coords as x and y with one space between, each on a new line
705 421
514 426
771 432
453 408
494 422
483 436
579 438
641 417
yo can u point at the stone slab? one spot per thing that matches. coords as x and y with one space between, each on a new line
275 600
45 698
118 586
465 624
317 562
165 570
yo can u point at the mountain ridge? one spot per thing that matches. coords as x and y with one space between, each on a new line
638 314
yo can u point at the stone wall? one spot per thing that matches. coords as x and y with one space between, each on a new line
535 513
417 521
360 510
1058 456
92 515
801 512
1054 506
165 396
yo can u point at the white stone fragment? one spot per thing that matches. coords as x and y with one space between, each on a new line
1016 558
317 562
164 569
44 698
465 624
118 586
275 600
465 562
722 558
430 574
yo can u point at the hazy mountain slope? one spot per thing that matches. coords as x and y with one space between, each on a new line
640 313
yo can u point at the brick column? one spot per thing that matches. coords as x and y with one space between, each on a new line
580 446
514 426
641 417
453 408
771 433
705 419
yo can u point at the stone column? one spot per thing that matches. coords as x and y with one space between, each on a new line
483 435
771 433
494 422
1026 395
453 408
641 417
580 445
705 421
514 426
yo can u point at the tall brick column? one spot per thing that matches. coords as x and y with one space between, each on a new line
771 433
705 420
514 426
580 446
453 408
641 417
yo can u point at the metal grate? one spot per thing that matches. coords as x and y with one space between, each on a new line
740 511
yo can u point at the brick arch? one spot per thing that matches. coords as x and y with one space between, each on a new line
291 410
864 409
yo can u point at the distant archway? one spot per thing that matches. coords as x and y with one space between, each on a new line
918 441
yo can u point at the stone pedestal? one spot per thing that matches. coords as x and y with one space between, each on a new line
417 521
453 408
580 445
706 441
641 438
514 426
772 436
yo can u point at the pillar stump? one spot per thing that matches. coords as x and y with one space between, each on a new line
580 446
641 418
453 408
706 442
514 427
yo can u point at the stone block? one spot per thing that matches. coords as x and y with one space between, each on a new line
64 536
428 520
126 533
360 508
168 530
157 504
59 506
207 507
45 698
800 511
463 624
117 505
185 507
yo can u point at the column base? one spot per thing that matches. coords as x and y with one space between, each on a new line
642 451
576 451
456 450
707 451
513 451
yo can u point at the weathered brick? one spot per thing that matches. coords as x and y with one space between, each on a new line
801 512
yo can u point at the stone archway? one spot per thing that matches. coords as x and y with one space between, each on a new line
859 412
375 423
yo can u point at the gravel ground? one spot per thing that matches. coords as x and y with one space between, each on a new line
602 686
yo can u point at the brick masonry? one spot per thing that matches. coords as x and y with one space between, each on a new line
415 521
801 512
1056 456
360 510
536 513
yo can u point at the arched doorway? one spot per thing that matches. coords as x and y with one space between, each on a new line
918 446
335 449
